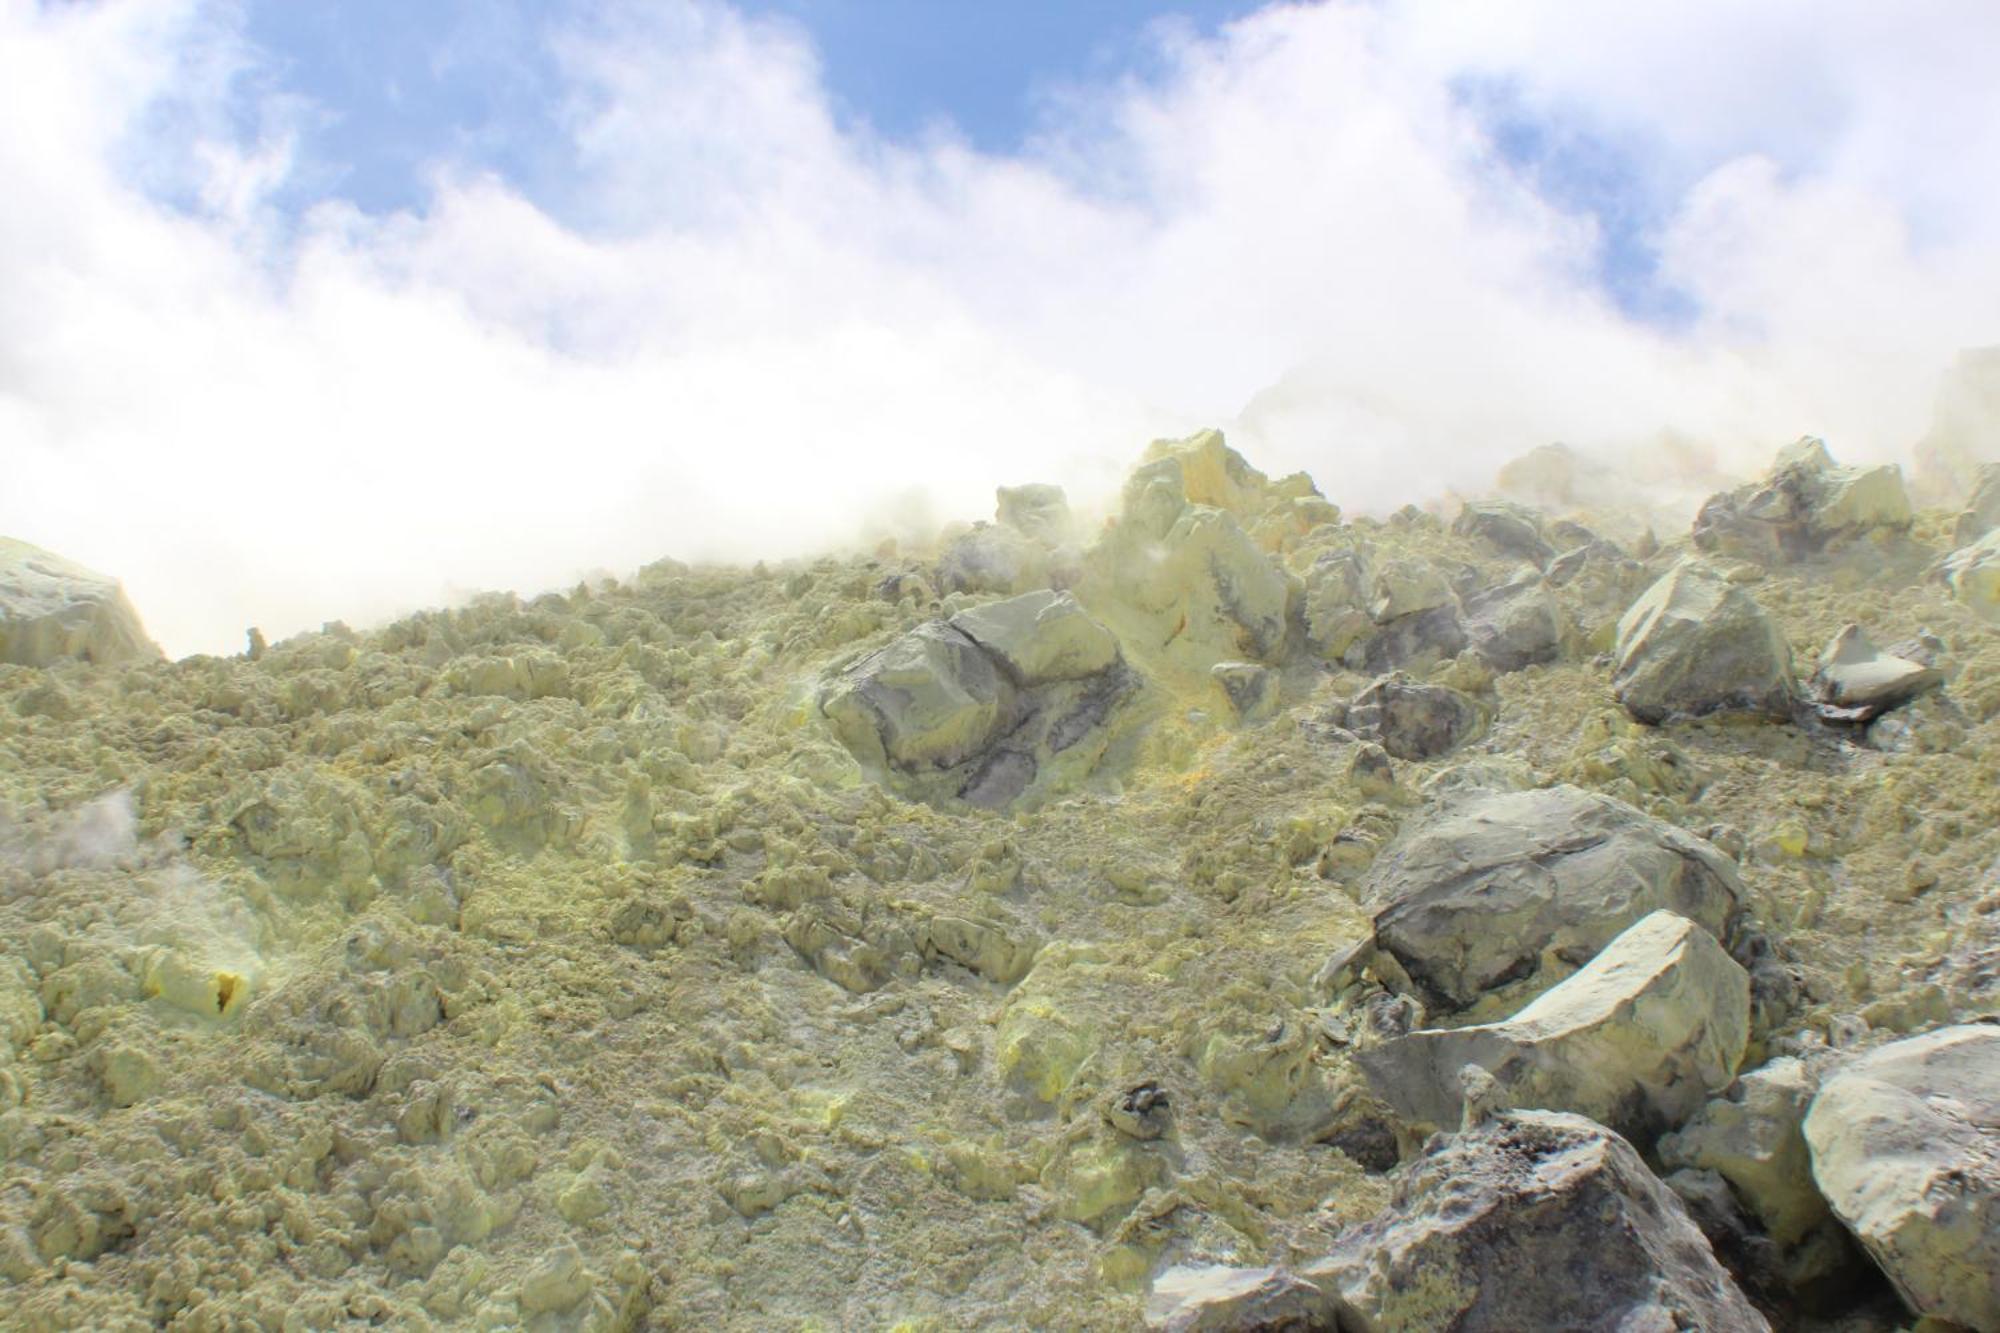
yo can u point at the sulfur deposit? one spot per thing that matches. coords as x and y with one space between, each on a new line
1227 913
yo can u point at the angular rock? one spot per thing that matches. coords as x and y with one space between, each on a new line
1515 625
1694 644
932 698
1252 690
1973 572
1336 602
1411 641
1806 503
1040 637
1752 1137
52 608
1905 1146
1238 1300
1413 720
1507 527
1635 1040
1533 1220
1489 886
1405 588
1982 511
1857 682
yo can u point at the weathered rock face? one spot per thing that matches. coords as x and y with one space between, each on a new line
1805 505
52 608
993 559
1489 887
1636 1040
1005 697
1515 625
1753 1138
1509 528
1982 511
1694 644
1974 575
1336 602
1858 682
1906 1148
1412 720
1533 1220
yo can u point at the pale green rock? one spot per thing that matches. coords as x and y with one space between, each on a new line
1040 637
52 608
1753 1137
932 698
1695 644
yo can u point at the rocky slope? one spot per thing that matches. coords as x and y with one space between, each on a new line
1205 918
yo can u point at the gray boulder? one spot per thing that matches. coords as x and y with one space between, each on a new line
1250 689
1412 720
1695 644
1515 625
1216 1299
993 559
1335 605
1636 1040
52 609
1013 696
1509 528
1491 887
1411 641
1905 1146
1531 1220
1982 511
1804 505
1753 1137
1858 682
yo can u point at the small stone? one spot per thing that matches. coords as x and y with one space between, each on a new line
556 1282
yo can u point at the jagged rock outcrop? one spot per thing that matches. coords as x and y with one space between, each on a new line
1215 1299
1635 1040
1973 572
1509 528
1695 644
1003 698
1515 624
1412 720
52 608
1858 682
1806 504
1492 887
1532 1220
1982 510
1906 1148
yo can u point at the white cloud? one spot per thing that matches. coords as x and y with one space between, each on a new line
751 329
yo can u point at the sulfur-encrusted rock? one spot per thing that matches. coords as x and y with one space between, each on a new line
1515 625
1636 1040
1509 528
993 559
1982 510
1037 511
1753 1137
1215 1299
1974 575
1489 887
1252 690
1336 602
1806 504
1906 1148
1412 720
932 698
1040 637
1532 1220
1858 682
1695 644
52 608
1009 696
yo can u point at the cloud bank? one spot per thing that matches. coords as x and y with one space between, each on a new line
1391 244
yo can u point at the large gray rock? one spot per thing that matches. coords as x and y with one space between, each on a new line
1533 1220
1215 1299
1858 682
52 608
1509 528
1008 697
1974 575
1491 887
1906 1148
1982 511
1695 644
1806 504
1515 625
1337 592
1412 720
993 559
1636 1040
